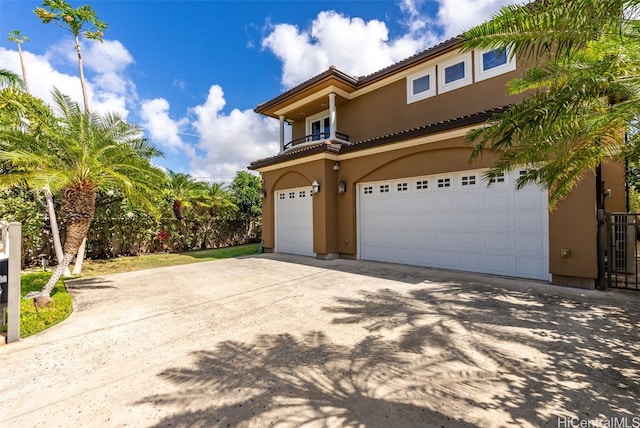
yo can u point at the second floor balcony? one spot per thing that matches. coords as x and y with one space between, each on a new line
317 137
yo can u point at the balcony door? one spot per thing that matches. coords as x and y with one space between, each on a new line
318 127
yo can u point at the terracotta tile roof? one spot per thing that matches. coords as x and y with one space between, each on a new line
331 71
407 62
408 134
358 82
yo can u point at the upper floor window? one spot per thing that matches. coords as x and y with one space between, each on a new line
454 73
491 63
421 85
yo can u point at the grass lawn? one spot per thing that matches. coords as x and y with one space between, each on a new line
150 261
32 321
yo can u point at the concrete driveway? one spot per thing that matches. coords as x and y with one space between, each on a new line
292 341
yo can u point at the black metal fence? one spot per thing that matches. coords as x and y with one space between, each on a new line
622 254
315 137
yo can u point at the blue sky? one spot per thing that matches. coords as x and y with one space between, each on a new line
191 72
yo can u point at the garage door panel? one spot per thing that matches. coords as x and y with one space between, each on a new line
473 220
443 202
527 197
458 223
468 240
469 261
529 266
529 221
499 264
494 199
443 221
469 200
497 221
498 242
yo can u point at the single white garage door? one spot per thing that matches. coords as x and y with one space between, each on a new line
294 221
456 221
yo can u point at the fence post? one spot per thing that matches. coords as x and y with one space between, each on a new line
11 253
601 245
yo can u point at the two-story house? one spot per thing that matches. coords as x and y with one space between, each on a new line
377 169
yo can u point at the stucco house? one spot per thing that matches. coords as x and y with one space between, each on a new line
377 169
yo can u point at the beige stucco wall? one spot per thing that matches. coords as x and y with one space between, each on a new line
385 110
572 225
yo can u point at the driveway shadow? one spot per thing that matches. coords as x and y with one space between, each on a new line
551 356
285 381
437 352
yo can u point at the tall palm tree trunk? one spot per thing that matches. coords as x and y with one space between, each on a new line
77 269
83 84
55 232
24 70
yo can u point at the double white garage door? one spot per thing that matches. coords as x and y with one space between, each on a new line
452 221
456 221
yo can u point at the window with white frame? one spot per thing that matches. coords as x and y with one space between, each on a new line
492 63
318 126
443 183
470 180
421 85
422 184
499 179
454 73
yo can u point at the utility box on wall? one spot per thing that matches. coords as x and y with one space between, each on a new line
10 256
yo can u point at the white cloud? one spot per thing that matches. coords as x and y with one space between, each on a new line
456 16
41 75
351 44
105 57
163 130
360 47
108 87
230 141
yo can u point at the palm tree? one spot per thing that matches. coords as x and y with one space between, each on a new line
19 38
583 92
75 21
183 192
218 200
9 79
78 152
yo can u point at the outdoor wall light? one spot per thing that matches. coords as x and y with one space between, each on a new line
263 193
315 187
342 187
336 166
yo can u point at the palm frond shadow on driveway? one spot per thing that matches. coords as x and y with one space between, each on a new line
434 354
313 379
547 356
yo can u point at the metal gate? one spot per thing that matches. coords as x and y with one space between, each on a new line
622 255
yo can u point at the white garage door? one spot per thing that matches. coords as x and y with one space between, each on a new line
456 221
294 221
